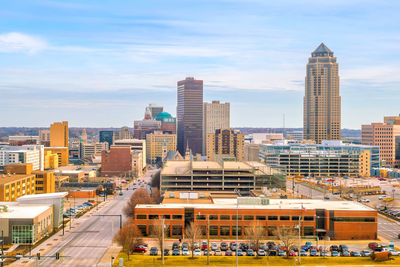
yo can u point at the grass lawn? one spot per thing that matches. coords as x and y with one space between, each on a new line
141 260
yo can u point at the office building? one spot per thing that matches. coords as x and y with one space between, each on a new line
251 152
294 135
146 126
322 102
386 135
59 135
331 158
21 140
44 137
190 115
168 123
62 154
225 142
23 154
155 110
135 145
338 220
88 150
219 176
158 145
13 186
122 161
107 136
216 116
125 133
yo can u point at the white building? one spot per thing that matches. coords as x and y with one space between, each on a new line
23 154
216 116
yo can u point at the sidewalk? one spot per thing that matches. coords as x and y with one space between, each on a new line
112 251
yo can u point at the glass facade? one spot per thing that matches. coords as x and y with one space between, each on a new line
23 234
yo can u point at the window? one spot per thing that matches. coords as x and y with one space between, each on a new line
261 218
142 229
201 217
224 217
152 217
295 218
284 218
213 217
224 230
308 230
171 195
141 217
309 218
272 218
177 217
234 230
354 219
203 230
234 217
248 217
177 230
167 217
213 230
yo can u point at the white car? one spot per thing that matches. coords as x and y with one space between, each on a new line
185 252
365 200
392 251
197 252
214 246
382 197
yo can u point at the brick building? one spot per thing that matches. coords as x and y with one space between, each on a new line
120 161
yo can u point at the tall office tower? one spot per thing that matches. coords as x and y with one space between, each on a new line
125 133
216 116
190 115
59 134
322 100
155 110
107 136
386 135
225 142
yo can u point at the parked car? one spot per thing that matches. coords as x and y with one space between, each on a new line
239 252
373 244
343 248
313 252
140 249
281 253
153 251
228 253
394 252
224 246
292 253
326 197
196 245
355 254
166 252
365 253
197 252
308 244
176 252
334 253
303 253
185 252
175 245
345 253
185 245
261 252
232 246
204 245
334 248
206 251
250 252
324 253
217 253
382 197
244 246
214 246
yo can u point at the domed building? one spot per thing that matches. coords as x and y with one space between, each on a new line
168 123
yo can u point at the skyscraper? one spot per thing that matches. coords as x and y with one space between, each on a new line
190 115
322 101
59 134
225 142
216 116
107 136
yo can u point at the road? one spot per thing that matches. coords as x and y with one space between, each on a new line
87 243
387 229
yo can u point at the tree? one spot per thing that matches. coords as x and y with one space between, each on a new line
155 179
255 233
288 236
99 188
156 231
139 197
129 237
156 195
193 236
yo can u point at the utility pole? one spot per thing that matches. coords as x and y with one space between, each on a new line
301 213
208 239
237 231
162 242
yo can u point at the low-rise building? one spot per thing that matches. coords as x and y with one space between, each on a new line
44 182
94 149
122 161
339 220
13 186
135 145
20 140
23 154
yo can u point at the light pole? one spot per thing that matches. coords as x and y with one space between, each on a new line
162 242
237 231
208 239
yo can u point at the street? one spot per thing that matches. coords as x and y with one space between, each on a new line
86 244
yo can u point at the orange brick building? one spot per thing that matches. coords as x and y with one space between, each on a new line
337 219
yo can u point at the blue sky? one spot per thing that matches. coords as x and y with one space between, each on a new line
99 63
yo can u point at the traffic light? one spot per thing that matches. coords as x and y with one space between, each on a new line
57 256
38 256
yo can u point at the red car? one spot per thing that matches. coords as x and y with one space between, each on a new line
204 245
292 253
140 249
228 253
373 245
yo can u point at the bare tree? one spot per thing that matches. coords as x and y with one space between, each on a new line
193 235
129 237
156 195
156 231
155 179
288 236
139 197
99 188
255 233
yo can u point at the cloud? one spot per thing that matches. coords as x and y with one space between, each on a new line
15 42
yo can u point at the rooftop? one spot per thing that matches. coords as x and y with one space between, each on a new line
274 204
43 196
17 210
5 178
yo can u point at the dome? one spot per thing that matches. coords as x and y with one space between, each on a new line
163 115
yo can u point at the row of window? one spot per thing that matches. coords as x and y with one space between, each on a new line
228 217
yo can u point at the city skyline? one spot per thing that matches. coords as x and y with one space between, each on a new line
61 60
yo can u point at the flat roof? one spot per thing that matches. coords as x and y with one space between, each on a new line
23 211
43 196
13 177
284 204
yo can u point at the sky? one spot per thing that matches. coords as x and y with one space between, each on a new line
100 63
